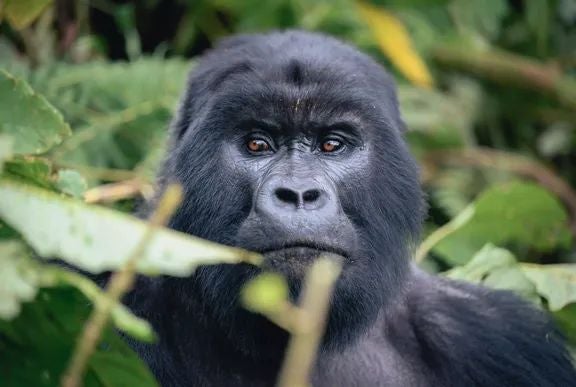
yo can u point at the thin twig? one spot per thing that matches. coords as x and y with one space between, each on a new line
109 193
120 283
311 317
434 238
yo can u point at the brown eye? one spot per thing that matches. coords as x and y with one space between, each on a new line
330 146
257 145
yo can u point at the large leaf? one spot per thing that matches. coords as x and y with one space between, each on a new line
556 283
34 125
98 239
395 43
35 348
517 212
497 268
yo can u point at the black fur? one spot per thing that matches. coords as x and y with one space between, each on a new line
390 324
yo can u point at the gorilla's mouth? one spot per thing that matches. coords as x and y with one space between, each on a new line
304 250
294 259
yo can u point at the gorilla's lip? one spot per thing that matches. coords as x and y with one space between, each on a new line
313 246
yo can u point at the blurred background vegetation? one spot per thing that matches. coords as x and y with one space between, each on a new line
487 89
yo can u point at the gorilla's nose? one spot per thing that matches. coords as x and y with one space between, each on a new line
282 195
310 199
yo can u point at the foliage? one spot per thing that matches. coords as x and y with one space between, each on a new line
44 306
504 83
536 220
28 113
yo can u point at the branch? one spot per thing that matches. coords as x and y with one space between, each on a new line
311 320
524 166
120 283
506 68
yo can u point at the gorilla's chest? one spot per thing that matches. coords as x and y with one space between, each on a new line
368 364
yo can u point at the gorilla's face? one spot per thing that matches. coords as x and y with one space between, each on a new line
296 167
295 157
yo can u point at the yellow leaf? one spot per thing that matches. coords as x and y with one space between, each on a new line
21 13
395 43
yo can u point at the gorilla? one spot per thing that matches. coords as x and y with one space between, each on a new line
291 144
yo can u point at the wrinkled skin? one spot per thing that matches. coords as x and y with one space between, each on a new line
291 144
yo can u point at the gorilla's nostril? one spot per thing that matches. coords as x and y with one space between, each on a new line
287 195
311 196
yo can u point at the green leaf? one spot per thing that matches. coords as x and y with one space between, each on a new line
34 124
483 17
122 317
71 182
118 111
39 172
265 293
18 278
21 13
5 149
556 283
566 320
415 3
517 212
537 17
496 268
119 371
30 170
36 347
96 239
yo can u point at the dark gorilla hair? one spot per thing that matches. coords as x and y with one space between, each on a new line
285 93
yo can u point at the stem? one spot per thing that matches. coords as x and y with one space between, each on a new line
312 314
442 233
120 283
109 193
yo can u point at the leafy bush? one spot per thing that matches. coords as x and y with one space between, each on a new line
488 93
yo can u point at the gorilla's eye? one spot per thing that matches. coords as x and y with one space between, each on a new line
331 145
257 145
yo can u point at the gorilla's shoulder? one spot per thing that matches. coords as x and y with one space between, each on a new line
471 335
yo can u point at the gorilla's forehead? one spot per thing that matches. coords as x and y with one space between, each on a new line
295 79
296 96
289 108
